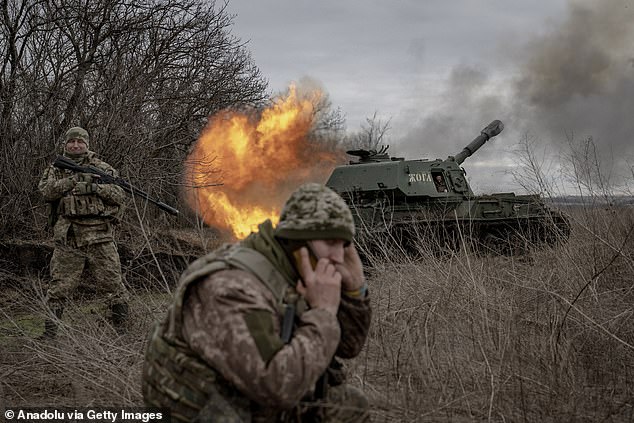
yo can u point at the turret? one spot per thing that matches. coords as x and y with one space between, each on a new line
493 129
376 174
371 156
423 203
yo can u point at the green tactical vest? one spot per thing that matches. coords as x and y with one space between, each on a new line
87 205
176 377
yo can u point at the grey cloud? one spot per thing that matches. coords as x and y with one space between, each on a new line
577 78
574 79
467 107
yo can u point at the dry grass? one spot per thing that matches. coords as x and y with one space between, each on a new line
547 336
543 337
88 364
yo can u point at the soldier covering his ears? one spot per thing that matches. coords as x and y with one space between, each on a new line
254 327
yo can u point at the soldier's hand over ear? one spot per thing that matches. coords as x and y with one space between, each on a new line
322 285
351 270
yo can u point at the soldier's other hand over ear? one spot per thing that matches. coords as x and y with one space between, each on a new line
351 270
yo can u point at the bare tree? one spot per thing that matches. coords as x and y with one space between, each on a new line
535 169
329 125
587 170
327 130
328 121
141 76
371 135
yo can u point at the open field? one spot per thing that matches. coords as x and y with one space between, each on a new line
547 336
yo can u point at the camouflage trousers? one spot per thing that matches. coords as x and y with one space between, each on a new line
102 260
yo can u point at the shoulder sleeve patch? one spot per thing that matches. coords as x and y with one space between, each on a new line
261 326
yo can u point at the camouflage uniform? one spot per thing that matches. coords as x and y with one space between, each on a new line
219 356
83 232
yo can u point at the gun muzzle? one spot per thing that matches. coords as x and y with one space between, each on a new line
493 129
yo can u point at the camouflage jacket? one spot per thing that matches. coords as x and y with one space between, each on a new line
81 220
216 326
231 322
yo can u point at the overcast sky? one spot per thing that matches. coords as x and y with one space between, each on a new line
442 70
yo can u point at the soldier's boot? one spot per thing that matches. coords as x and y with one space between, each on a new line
51 324
119 316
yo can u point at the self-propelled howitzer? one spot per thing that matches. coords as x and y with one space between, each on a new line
429 202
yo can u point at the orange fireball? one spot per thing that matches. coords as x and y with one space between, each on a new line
260 157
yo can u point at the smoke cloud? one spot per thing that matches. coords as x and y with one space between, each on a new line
580 78
573 82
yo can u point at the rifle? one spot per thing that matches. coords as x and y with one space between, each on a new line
105 178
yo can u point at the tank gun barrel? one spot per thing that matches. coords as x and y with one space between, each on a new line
493 129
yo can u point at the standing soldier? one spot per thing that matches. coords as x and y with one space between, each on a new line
254 327
83 214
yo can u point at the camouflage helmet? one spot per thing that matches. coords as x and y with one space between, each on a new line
77 133
314 211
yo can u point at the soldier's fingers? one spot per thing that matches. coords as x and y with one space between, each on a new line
301 288
330 270
322 265
335 280
343 269
305 267
351 254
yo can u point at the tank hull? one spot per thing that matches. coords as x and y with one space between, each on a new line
498 223
422 203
